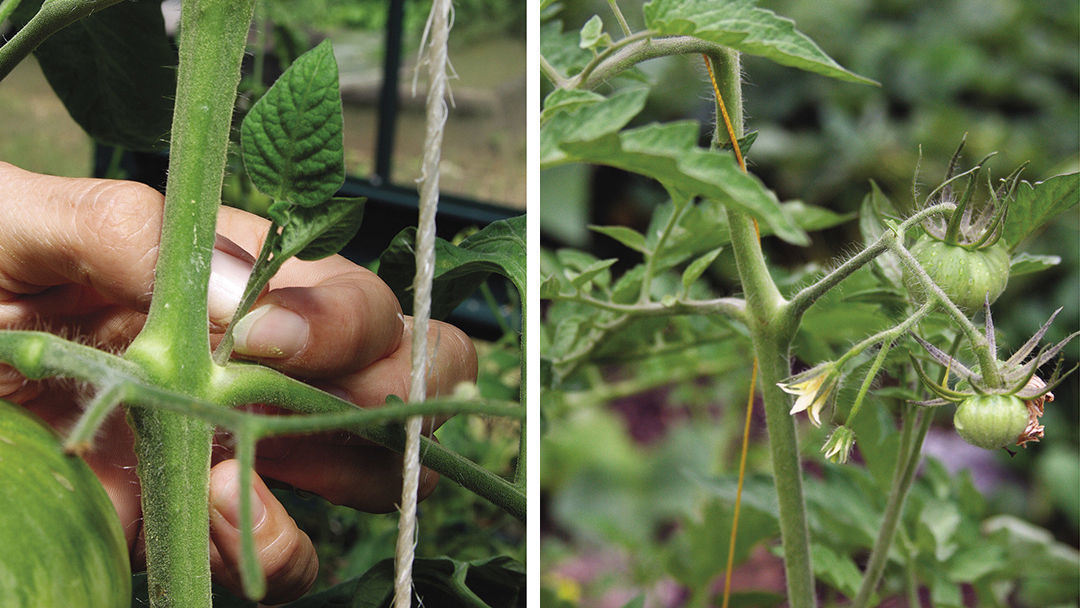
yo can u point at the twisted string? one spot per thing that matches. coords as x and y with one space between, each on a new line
435 55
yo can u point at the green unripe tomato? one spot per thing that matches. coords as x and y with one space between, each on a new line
61 543
991 421
966 276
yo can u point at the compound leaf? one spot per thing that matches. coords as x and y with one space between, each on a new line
741 25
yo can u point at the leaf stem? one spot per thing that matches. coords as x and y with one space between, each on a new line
732 307
808 295
51 18
262 271
619 16
7 7
552 73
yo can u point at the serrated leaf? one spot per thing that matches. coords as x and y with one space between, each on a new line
292 140
696 268
583 121
459 269
313 233
669 154
1037 204
592 34
1026 263
741 25
115 73
627 236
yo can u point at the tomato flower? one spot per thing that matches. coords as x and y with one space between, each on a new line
838 448
813 388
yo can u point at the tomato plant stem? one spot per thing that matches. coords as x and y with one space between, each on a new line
910 453
173 348
772 326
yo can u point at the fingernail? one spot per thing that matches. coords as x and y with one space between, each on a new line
228 277
226 501
271 332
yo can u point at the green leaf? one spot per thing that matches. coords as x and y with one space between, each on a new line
115 72
313 233
592 34
561 48
696 268
590 273
627 236
585 119
1036 204
565 100
292 140
669 154
459 269
741 25
838 571
1026 263
498 582
875 209
694 559
937 526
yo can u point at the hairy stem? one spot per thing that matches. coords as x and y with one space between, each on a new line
772 327
173 349
634 49
979 344
907 462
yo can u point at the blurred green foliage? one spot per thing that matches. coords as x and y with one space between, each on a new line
1006 73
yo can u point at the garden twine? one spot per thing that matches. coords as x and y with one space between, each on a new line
435 55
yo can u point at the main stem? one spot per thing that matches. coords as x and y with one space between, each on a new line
173 347
772 326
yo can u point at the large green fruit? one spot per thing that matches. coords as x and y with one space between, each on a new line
991 421
61 544
966 276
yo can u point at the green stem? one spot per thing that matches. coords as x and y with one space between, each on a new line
53 17
732 307
552 73
807 296
619 16
910 452
262 271
650 259
7 7
632 50
173 349
772 327
981 347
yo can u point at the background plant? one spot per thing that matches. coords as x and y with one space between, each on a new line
615 330
176 394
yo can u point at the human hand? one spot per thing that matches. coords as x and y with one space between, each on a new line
77 258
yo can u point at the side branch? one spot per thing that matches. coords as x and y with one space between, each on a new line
805 298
